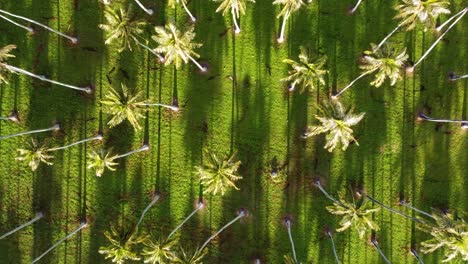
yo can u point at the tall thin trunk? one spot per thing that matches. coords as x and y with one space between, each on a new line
143 148
329 234
98 137
393 210
288 225
188 11
171 107
439 28
161 58
203 69
83 225
319 185
39 215
454 78
147 10
283 26
237 30
355 7
387 37
199 207
416 255
12 117
241 214
72 39
335 96
424 117
376 245
55 127
406 204
155 199
43 78
17 24
411 69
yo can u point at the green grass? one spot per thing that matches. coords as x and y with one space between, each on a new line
250 113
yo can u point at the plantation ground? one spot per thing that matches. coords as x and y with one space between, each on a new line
240 105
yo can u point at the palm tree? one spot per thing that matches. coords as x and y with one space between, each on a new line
288 259
424 117
406 204
411 13
39 215
411 68
387 62
355 7
447 22
184 256
153 201
353 214
172 4
122 244
237 8
376 246
127 105
330 235
37 153
448 232
337 122
55 127
306 72
416 255
122 27
177 46
454 77
102 159
287 222
82 225
6 68
12 117
289 6
149 11
74 40
218 174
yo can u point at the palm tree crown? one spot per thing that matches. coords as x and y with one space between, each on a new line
424 11
288 6
100 160
122 245
306 72
218 173
4 55
184 256
337 122
387 61
34 154
160 251
236 7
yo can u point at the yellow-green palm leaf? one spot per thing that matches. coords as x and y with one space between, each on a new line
236 6
100 160
289 6
426 12
160 251
4 55
34 155
122 245
184 256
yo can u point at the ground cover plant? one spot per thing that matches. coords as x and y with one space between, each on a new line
221 132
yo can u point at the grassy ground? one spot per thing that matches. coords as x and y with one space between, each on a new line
240 105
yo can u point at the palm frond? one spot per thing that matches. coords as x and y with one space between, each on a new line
289 6
426 12
100 160
122 245
34 154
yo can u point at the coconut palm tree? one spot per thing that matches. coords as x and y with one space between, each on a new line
36 153
289 6
424 117
386 62
288 259
330 235
416 255
355 7
127 105
454 77
411 13
237 8
38 216
74 40
55 127
337 122
100 160
173 4
122 245
287 222
82 225
149 11
306 72
177 46
376 246
218 173
122 27
354 214
448 232
447 22
189 256
12 117
6 68
411 68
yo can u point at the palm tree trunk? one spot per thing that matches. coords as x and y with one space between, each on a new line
155 199
147 10
188 11
38 216
9 118
203 69
374 242
55 127
411 69
459 77
349 85
439 28
43 78
199 207
393 210
161 58
98 137
237 30
355 7
416 255
387 37
17 24
241 214
171 107
404 203
143 148
319 185
83 225
430 119
288 225
283 26
72 39
333 247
